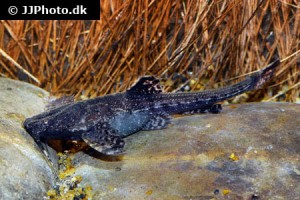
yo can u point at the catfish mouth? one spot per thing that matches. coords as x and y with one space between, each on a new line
33 127
27 124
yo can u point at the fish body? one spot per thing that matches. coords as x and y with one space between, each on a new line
104 122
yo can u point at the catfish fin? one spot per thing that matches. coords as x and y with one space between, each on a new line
104 140
146 85
55 103
157 122
215 108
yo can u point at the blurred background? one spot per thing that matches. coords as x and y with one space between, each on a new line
190 45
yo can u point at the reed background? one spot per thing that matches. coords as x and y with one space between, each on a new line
189 45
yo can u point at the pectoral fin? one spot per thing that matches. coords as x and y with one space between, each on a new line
105 141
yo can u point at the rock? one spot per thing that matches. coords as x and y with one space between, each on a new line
249 151
24 172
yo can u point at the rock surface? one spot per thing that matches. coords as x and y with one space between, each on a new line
249 151
24 172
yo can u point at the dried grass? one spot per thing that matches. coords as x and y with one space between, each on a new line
179 41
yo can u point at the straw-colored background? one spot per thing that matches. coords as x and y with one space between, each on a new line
197 43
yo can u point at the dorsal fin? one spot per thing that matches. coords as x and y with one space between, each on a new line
146 85
55 103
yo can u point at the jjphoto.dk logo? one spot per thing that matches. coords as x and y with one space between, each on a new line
50 10
43 10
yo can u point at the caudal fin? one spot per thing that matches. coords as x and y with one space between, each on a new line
264 75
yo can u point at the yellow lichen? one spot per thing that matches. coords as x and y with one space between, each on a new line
51 193
226 192
66 173
68 188
233 157
149 192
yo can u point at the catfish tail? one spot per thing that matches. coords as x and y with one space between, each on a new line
253 82
264 75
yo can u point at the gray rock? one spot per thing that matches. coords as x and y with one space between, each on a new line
24 172
191 159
